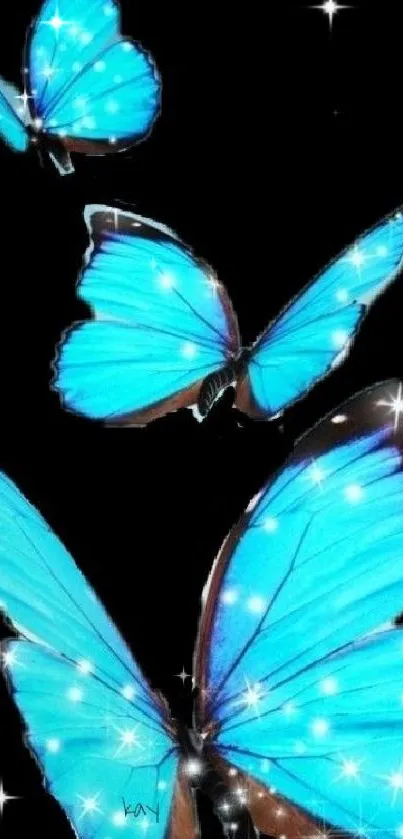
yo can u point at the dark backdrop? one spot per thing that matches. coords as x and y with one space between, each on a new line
277 144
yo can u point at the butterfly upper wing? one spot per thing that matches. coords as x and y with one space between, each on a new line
99 733
92 87
313 334
13 117
299 666
161 323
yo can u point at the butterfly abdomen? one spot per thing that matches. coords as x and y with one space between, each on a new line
212 388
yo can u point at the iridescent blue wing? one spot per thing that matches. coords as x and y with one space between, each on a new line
314 333
98 732
14 117
92 88
161 324
299 663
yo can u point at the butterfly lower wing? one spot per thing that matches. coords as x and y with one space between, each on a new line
314 333
300 688
13 119
161 324
93 88
99 733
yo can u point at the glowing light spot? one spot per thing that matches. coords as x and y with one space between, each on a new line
320 728
167 281
85 667
162 785
9 658
112 141
270 524
108 9
339 419
350 768
38 123
399 832
119 819
128 692
80 102
357 258
354 493
53 745
290 709
86 38
342 295
118 79
88 122
112 106
229 597
99 66
339 338
127 46
329 686
189 350
76 67
382 250
256 605
316 474
233 772
300 747
75 694
253 695
193 768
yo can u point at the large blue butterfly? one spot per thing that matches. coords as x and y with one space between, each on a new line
164 334
86 87
298 663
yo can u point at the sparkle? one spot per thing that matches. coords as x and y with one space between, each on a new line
166 280
86 38
189 350
193 768
256 605
330 8
342 295
24 99
329 686
75 694
232 772
339 338
395 405
85 667
89 805
320 728
162 785
339 419
350 769
354 493
183 675
270 524
382 250
48 72
4 798
128 692
357 257
112 106
56 22
38 123
53 745
99 66
229 597
119 819
9 658
128 740
316 474
290 709
253 695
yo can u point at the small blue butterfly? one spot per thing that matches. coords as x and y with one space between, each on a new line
164 334
298 663
86 87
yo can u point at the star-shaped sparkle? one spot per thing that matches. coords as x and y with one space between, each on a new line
183 675
330 8
4 798
395 405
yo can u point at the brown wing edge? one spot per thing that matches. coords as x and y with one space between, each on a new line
271 813
183 823
185 398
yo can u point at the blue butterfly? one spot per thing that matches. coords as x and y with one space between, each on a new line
164 334
86 87
298 663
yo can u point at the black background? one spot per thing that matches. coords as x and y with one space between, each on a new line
278 143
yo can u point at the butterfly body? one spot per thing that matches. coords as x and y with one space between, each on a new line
216 383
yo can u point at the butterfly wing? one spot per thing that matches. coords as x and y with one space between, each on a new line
93 88
99 734
14 117
299 664
314 333
161 324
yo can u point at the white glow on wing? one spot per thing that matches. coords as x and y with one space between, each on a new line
256 605
329 686
354 493
189 350
85 667
339 338
75 694
99 66
320 727
350 768
9 658
270 524
382 250
167 280
193 768
128 692
316 474
342 295
53 745
119 819
229 597
357 257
